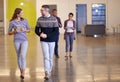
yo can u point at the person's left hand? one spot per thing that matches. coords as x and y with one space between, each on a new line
73 28
43 35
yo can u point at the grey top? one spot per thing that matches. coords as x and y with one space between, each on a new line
47 22
19 36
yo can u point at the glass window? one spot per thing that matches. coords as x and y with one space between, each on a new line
98 14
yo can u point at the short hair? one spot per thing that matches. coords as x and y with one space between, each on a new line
71 14
54 10
45 6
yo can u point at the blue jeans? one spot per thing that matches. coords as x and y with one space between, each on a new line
69 38
21 50
48 51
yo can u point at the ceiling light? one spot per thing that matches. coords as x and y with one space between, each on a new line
21 3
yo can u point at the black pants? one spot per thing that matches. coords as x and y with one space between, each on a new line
56 46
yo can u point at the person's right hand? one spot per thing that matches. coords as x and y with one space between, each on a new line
17 30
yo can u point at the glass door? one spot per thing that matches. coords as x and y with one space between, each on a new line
81 16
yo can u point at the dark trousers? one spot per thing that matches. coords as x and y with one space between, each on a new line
56 46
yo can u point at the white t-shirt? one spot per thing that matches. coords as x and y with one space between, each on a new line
70 26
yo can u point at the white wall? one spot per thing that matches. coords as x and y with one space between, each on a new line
66 6
113 12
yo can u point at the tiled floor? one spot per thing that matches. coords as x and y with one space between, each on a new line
94 60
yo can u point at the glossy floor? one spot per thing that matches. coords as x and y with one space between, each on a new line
94 60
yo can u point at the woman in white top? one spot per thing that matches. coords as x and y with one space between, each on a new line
69 26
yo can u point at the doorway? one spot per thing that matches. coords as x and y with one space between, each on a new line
1 17
52 7
81 16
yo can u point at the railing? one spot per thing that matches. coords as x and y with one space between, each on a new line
116 29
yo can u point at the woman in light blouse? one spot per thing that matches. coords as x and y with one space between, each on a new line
69 26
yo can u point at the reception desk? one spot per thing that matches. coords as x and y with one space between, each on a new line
91 30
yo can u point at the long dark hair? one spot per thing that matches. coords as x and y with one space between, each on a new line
16 12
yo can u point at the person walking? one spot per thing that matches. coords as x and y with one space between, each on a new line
69 36
18 27
47 29
54 13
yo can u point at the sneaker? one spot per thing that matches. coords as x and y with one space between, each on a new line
46 78
22 77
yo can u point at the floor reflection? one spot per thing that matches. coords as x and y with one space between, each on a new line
94 60
55 72
70 74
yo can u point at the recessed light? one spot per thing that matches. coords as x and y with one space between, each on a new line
21 3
